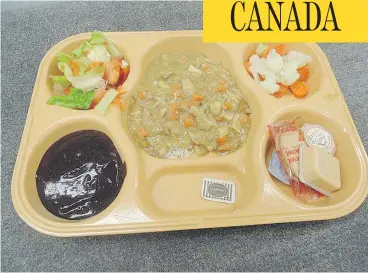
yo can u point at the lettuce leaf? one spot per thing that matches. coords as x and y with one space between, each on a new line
76 99
99 53
97 38
62 57
112 49
106 101
60 80
65 68
78 52
91 80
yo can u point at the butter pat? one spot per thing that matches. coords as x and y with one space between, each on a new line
319 170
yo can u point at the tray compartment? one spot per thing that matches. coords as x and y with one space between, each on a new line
350 162
315 67
175 191
27 187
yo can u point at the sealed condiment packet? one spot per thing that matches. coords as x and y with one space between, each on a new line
317 135
289 158
277 170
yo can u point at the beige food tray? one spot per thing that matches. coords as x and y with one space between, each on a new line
161 195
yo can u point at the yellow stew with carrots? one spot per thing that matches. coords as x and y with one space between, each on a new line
186 106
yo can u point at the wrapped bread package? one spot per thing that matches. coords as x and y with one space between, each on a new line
287 139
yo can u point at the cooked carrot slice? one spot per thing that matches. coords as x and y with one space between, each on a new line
221 140
283 90
281 49
254 52
188 121
228 105
304 73
142 132
247 68
142 95
299 89
205 67
265 53
197 97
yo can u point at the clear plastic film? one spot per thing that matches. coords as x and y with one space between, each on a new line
287 139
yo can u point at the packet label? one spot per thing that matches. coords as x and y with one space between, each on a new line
218 190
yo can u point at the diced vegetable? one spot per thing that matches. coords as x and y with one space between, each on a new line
173 111
303 73
76 99
198 97
235 123
223 131
106 101
142 132
215 108
281 49
261 48
194 70
299 89
188 121
188 86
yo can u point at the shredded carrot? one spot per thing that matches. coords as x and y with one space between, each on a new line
142 132
265 53
173 111
299 89
261 78
197 97
221 140
220 118
304 73
119 102
75 68
94 64
282 91
188 121
281 49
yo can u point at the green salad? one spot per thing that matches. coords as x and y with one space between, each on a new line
92 75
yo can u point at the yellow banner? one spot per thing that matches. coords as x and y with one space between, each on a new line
285 21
